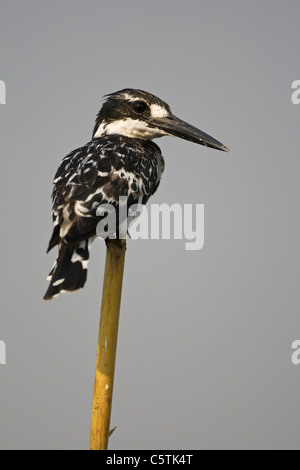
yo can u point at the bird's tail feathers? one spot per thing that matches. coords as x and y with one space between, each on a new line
69 272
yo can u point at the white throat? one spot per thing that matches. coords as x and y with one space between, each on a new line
128 127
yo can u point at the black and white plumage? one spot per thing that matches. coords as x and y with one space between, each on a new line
120 160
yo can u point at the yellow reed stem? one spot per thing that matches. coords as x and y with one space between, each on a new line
107 344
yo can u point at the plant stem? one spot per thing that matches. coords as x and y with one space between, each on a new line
107 344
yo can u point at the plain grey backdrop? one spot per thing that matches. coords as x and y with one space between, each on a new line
204 352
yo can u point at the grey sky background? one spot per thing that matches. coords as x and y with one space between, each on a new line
204 352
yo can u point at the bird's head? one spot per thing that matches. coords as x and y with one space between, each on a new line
140 115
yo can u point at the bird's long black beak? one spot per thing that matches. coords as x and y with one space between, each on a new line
176 127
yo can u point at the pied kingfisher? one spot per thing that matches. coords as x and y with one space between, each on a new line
120 160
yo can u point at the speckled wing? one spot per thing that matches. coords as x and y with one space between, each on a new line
99 173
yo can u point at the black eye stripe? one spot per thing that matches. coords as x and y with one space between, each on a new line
139 106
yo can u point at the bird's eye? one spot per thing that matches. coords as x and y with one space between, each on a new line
139 106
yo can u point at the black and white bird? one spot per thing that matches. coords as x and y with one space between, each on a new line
120 160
